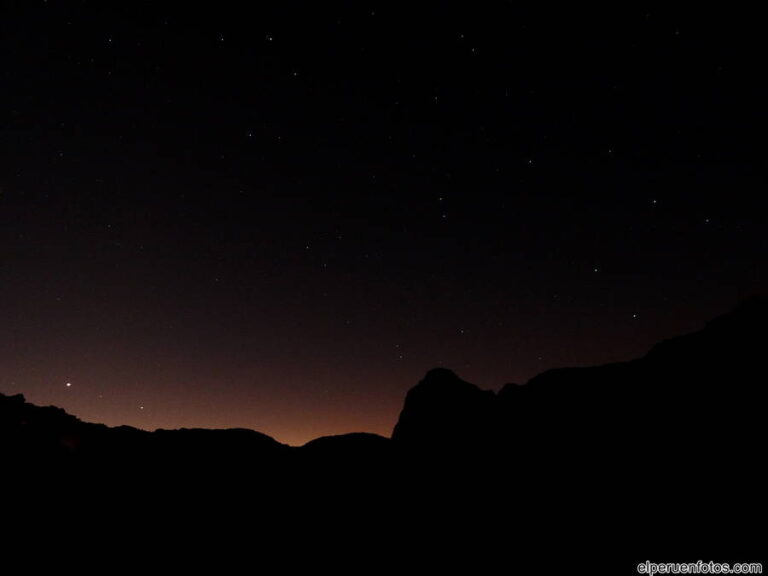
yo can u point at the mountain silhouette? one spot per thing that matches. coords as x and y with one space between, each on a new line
688 396
704 381
358 443
445 412
36 434
656 454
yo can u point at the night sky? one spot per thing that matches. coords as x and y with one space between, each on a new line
280 217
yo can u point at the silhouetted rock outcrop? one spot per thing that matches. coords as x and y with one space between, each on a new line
693 392
445 412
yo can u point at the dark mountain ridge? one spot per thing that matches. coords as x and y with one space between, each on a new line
652 455
708 379
697 378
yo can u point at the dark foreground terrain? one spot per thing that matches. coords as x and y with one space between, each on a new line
591 469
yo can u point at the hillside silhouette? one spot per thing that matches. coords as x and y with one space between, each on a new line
653 454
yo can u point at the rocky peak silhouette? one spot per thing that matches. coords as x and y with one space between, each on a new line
443 410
